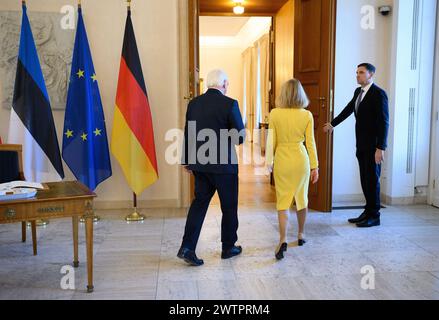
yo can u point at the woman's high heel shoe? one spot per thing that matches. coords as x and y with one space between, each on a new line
280 254
301 241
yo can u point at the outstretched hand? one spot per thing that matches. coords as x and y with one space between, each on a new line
328 128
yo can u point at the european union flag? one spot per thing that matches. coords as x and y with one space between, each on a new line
85 144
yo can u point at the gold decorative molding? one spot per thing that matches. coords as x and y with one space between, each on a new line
10 213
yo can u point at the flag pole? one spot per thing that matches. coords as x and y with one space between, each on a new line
96 218
135 216
39 222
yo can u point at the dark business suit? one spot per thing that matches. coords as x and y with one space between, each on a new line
219 170
371 130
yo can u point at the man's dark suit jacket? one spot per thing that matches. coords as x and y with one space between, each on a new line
372 125
216 112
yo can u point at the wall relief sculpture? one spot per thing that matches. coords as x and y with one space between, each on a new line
55 50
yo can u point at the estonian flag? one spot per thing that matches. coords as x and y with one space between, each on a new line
31 123
85 144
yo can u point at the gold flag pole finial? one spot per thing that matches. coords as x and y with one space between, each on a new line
23 2
129 5
79 3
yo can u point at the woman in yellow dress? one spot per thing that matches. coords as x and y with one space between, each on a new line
293 164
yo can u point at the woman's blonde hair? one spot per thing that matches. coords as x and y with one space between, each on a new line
292 95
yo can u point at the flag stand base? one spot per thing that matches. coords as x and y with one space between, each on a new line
95 219
39 223
135 217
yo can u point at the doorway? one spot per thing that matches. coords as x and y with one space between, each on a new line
241 47
303 38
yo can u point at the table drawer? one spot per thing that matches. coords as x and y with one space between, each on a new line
44 210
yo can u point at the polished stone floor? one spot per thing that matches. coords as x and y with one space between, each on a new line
138 261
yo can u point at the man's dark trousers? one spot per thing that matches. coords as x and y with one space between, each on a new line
206 184
370 173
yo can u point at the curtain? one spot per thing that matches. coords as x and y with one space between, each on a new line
253 120
248 96
256 88
264 62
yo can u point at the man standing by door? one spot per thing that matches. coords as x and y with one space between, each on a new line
217 118
370 106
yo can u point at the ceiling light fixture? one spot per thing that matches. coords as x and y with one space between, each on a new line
238 8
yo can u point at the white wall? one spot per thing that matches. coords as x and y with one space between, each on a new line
355 45
228 59
434 170
401 181
156 27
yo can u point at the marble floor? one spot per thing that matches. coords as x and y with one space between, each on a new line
138 261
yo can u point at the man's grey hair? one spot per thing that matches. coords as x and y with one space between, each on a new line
216 78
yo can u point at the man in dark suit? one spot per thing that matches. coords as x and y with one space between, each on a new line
213 128
370 106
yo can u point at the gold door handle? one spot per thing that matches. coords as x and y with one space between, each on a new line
322 101
191 96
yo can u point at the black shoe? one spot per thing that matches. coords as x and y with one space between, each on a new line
190 257
280 254
360 219
301 242
370 222
229 253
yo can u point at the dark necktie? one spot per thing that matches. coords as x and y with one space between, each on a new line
357 105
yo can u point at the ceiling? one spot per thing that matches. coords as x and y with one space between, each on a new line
221 26
223 31
251 6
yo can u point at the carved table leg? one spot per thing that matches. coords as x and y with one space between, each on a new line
89 240
75 222
34 236
23 231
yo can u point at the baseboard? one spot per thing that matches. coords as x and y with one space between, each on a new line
347 198
142 204
385 199
404 200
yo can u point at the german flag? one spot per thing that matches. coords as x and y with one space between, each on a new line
132 140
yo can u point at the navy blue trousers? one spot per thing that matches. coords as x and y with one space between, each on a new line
370 173
206 184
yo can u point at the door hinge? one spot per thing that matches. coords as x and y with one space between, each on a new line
437 115
272 36
434 184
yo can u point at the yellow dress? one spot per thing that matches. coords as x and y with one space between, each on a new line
290 129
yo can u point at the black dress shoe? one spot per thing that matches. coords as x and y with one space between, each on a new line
370 222
280 254
301 242
361 218
190 257
229 253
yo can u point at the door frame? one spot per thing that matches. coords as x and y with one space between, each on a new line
186 186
